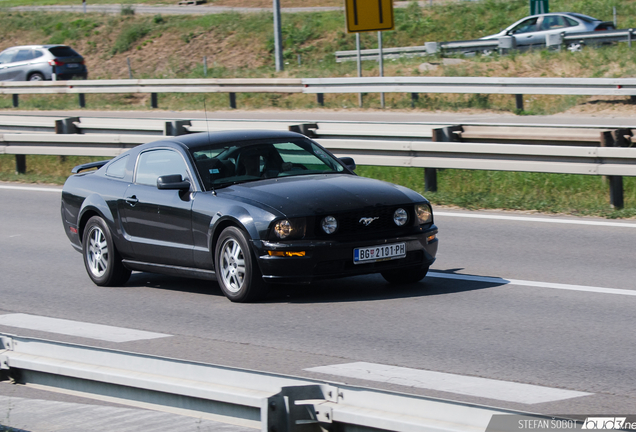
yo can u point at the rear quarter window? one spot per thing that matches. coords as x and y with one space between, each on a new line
63 51
117 168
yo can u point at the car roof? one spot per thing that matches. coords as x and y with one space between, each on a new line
572 14
222 138
34 46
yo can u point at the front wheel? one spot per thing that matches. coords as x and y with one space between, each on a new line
405 276
237 272
101 259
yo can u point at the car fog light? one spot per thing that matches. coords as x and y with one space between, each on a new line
283 229
400 217
329 224
424 213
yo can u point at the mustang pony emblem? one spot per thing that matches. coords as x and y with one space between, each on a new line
367 221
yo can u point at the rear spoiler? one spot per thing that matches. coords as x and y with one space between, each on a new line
89 165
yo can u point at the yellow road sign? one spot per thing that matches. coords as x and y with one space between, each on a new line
369 15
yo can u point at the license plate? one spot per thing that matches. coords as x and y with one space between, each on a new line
379 253
72 65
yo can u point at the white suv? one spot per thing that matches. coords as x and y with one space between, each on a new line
41 62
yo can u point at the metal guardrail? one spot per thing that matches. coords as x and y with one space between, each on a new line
320 86
484 85
589 151
483 45
267 401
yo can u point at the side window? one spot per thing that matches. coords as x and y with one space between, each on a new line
571 22
37 54
156 163
117 169
553 22
23 55
525 26
7 56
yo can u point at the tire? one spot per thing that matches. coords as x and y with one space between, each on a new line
405 276
36 77
575 47
101 259
237 272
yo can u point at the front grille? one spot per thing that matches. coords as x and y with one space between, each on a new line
381 221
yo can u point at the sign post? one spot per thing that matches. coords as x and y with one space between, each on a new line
368 16
539 7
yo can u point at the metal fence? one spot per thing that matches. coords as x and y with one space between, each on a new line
573 150
573 42
267 401
321 86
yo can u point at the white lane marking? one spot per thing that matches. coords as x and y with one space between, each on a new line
77 328
451 383
31 188
502 281
537 219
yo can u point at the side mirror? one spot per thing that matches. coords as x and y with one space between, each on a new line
348 162
173 182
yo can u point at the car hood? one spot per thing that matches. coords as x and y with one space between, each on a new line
321 194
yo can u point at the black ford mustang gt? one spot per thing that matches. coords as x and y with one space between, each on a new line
244 208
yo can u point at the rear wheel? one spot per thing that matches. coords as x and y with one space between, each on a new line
36 77
404 276
101 259
575 47
237 272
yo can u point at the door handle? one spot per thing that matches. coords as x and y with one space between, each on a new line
132 200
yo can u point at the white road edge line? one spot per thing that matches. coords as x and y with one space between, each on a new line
536 219
77 328
31 188
451 383
502 281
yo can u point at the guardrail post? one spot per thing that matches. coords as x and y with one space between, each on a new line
519 102
82 100
307 129
320 99
66 125
233 100
616 138
293 409
176 127
445 134
16 100
629 37
20 164
153 100
414 98
506 44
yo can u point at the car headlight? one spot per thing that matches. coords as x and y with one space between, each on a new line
289 228
400 217
329 224
424 213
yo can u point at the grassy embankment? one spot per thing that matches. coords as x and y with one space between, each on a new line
241 46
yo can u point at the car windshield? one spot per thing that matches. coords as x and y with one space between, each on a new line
246 162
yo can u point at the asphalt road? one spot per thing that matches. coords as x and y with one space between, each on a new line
541 314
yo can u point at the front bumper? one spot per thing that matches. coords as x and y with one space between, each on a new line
334 259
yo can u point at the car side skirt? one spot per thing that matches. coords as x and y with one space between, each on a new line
194 273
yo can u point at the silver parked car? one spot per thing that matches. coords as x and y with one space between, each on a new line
41 62
532 30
